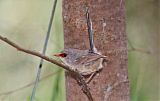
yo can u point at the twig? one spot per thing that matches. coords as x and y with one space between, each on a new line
139 50
66 67
136 49
35 54
28 85
80 79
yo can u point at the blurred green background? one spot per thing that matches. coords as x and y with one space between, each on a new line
142 29
26 21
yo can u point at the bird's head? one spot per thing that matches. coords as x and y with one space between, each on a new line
71 54
63 53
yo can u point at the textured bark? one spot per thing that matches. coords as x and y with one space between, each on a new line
108 17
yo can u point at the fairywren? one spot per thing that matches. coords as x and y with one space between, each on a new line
83 61
86 62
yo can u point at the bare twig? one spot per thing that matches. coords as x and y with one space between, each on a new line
136 49
85 88
66 67
35 54
139 50
28 85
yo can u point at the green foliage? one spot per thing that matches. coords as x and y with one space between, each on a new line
142 29
25 22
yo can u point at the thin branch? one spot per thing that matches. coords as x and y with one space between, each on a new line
34 53
80 79
136 49
139 50
72 71
28 85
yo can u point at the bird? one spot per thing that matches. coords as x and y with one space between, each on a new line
83 61
86 62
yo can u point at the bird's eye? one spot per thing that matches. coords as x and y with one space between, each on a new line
64 55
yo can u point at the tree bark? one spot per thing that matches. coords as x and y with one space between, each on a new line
108 17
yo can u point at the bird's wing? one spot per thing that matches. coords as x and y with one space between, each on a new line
87 59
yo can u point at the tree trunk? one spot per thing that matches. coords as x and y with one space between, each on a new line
108 17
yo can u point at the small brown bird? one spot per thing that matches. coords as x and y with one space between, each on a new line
86 62
83 61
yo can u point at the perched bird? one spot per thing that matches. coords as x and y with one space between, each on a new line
85 62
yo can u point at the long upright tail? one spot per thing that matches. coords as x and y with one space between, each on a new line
90 32
44 51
